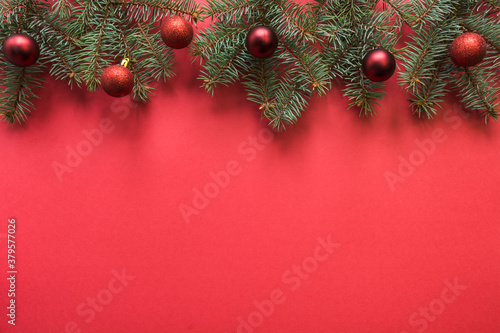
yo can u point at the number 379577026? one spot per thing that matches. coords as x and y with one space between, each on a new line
11 245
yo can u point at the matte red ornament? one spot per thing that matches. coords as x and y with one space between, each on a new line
261 41
21 49
468 49
117 81
176 32
379 65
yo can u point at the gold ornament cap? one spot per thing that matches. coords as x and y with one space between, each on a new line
125 62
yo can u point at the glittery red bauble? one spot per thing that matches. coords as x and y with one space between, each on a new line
21 50
468 49
261 41
379 65
176 32
117 81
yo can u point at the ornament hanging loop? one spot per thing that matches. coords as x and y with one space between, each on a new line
125 62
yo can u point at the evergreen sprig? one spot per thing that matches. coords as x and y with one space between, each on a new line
17 92
319 42
154 10
348 29
113 30
79 39
429 72
284 83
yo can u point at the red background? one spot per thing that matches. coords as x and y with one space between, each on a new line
119 209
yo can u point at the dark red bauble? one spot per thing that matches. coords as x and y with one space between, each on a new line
379 65
117 81
176 32
261 41
468 49
21 49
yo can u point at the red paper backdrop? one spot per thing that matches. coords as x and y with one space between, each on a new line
327 227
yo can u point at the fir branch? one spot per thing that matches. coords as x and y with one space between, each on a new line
232 10
428 8
351 28
9 7
431 93
15 98
317 76
339 57
362 92
493 3
91 68
50 22
159 7
338 36
290 102
319 9
424 51
286 18
86 13
212 40
429 70
13 109
221 47
261 83
398 9
16 13
477 94
140 88
71 71
484 27
352 13
215 72
163 63
62 8
282 116
265 89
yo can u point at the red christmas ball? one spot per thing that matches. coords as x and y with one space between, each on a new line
176 32
379 65
117 81
21 49
468 49
261 41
